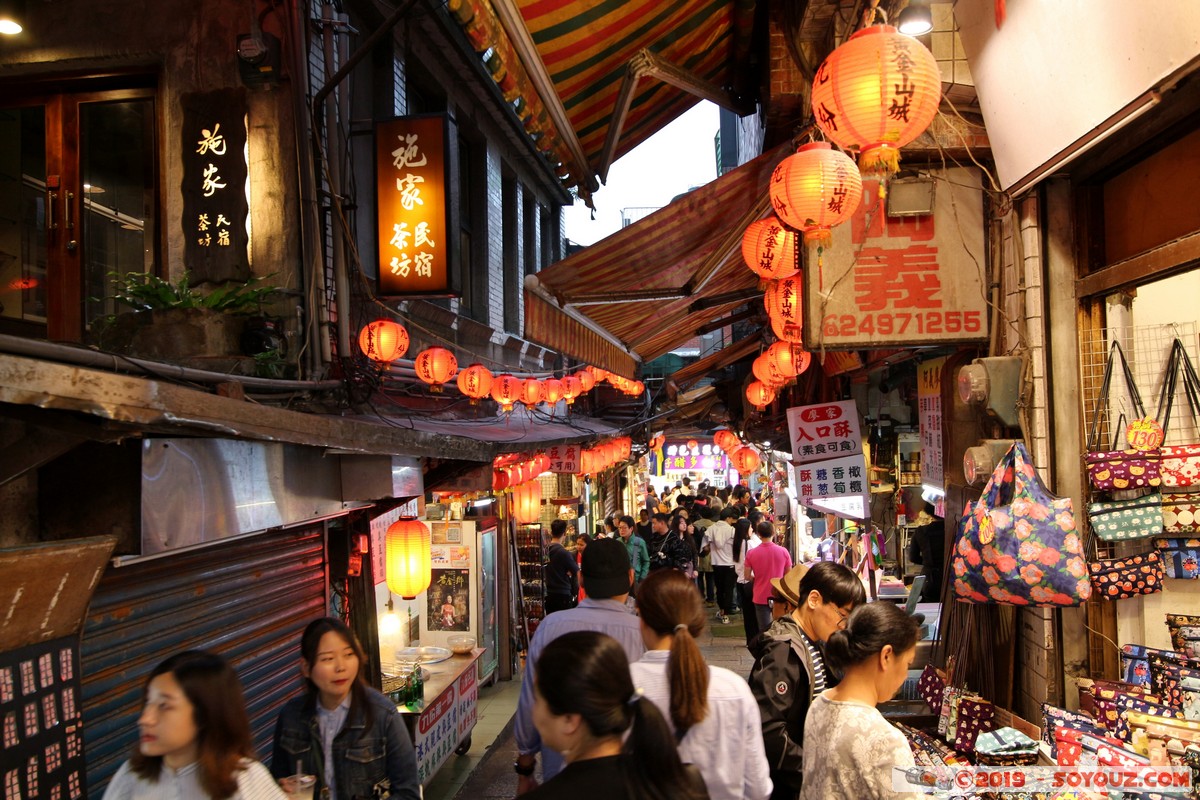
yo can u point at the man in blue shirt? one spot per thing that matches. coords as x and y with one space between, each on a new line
606 577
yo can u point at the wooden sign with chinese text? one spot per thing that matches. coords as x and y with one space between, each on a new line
213 150
908 280
411 183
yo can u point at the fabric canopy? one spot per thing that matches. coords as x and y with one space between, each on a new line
653 284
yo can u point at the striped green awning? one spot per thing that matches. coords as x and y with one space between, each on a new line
587 46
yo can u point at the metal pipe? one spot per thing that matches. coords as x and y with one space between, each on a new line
83 356
333 166
361 52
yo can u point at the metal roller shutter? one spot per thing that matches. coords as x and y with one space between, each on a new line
247 600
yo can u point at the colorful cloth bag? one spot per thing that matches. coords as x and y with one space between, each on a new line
1122 578
1135 664
1184 630
931 686
1118 468
1121 520
1181 557
1181 513
1180 466
1018 545
975 716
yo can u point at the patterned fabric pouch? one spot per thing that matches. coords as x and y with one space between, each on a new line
948 697
1121 520
1068 743
1181 557
1177 624
1189 692
975 716
1166 676
1181 513
1122 578
1119 469
1181 465
1135 666
931 686
1052 717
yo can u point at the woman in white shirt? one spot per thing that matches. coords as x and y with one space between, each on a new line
859 750
714 715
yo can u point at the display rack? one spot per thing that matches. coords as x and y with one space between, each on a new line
531 559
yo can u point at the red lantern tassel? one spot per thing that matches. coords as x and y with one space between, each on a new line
1000 13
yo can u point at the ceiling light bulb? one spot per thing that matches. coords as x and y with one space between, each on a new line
915 19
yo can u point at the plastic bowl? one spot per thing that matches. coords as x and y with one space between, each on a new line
461 645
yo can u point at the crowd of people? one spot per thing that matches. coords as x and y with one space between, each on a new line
623 705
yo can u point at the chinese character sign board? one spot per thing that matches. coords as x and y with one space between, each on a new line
410 181
903 280
929 415
215 208
564 458
837 485
823 431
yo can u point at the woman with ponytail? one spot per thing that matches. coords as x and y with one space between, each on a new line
859 748
714 715
586 718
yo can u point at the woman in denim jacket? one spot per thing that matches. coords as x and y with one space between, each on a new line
342 731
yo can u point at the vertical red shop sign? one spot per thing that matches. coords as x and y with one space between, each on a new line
410 184
889 281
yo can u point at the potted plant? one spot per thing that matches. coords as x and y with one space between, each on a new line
179 323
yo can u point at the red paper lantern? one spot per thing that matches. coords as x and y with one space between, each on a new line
745 460
759 394
765 370
638 389
790 359
693 444
383 341
532 392
814 189
408 557
586 379
499 480
725 438
877 92
506 390
527 502
770 249
554 390
475 382
572 388
784 301
435 366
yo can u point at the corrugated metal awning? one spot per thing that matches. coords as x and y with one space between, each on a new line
652 284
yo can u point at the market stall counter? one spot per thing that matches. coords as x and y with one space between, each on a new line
442 724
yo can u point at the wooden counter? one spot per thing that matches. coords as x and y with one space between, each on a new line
444 724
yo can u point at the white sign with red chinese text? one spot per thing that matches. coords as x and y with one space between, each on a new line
929 415
564 458
823 431
903 280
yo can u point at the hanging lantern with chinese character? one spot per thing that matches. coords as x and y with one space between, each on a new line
877 92
475 382
435 366
408 557
554 390
770 249
765 370
586 379
532 392
745 460
572 388
725 438
383 341
784 301
506 390
759 394
790 359
814 189
527 505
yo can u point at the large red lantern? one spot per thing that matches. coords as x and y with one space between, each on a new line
725 438
770 249
637 389
760 394
499 480
572 388
532 392
408 557
554 390
506 390
784 301
435 366
527 505
765 370
789 359
745 460
383 341
877 92
586 379
814 189
475 382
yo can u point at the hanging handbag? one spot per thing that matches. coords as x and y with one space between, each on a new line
1181 513
1121 520
1180 466
1181 557
1122 578
931 686
1018 545
1184 629
1135 665
1119 468
975 716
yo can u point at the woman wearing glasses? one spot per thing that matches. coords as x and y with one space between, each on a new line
789 668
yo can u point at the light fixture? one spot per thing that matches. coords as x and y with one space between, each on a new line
12 14
915 19
389 623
